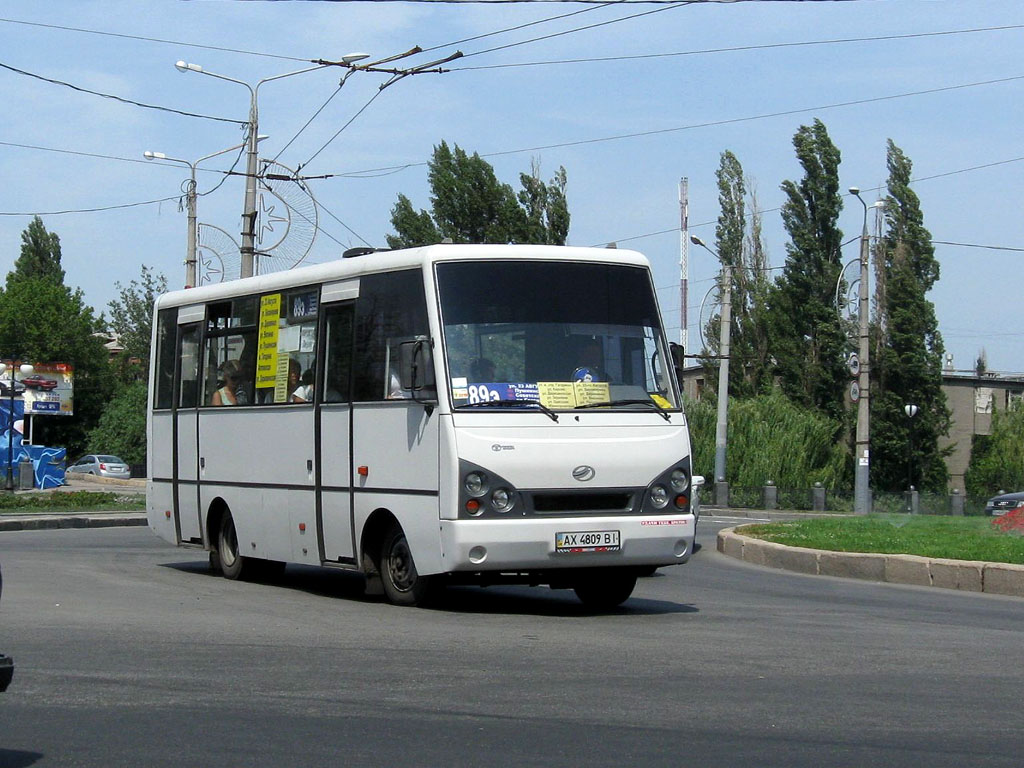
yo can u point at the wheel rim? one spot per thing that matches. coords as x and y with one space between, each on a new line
229 543
400 566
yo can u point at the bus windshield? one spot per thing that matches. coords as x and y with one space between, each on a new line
565 335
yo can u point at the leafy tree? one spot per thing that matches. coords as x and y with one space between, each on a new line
42 321
470 205
805 331
131 318
122 427
739 245
907 366
997 460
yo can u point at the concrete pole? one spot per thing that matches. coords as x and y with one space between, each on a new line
721 426
862 454
190 248
248 249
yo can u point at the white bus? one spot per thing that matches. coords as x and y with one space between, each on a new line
448 414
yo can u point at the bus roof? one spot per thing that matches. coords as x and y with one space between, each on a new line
387 261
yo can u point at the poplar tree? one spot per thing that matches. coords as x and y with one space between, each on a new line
739 245
805 331
470 205
907 363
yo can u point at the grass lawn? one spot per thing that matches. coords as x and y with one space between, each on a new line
956 538
69 501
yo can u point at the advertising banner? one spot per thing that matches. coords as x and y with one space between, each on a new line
49 390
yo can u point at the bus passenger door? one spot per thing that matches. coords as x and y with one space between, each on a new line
333 430
186 437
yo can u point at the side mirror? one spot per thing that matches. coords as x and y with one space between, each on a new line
678 360
417 365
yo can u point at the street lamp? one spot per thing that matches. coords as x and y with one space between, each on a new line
721 425
861 487
190 197
249 211
25 370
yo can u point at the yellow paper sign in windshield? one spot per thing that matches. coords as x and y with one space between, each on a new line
589 392
660 401
557 394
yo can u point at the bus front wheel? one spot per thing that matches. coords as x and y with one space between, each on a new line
402 584
604 590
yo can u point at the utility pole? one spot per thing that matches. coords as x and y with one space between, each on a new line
721 425
684 265
862 453
722 422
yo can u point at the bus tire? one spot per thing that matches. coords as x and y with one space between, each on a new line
402 584
604 590
232 564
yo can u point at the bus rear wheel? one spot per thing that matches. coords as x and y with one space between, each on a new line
402 584
232 564
604 590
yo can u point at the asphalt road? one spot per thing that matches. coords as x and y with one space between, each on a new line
129 652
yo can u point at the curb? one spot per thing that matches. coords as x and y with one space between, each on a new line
963 575
87 520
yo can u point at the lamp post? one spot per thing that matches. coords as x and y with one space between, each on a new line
190 198
721 424
862 454
25 370
248 248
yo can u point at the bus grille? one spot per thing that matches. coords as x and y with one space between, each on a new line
582 502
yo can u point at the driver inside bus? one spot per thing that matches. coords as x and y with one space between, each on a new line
590 359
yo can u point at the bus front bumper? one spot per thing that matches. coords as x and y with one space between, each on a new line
566 542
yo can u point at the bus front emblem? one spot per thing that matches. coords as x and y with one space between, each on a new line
583 473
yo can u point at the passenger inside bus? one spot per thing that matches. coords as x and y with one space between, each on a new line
303 391
229 393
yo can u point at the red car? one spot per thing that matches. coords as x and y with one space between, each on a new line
39 382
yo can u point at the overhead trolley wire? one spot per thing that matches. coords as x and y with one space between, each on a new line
118 98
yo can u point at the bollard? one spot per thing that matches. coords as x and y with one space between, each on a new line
721 493
770 496
818 498
956 503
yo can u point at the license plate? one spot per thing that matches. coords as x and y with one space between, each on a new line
587 541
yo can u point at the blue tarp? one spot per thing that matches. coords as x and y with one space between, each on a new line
47 463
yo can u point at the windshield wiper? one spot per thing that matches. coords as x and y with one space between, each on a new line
510 404
649 403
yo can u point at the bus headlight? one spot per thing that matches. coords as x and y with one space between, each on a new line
476 484
502 500
659 496
679 480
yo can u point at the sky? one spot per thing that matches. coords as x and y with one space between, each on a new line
663 91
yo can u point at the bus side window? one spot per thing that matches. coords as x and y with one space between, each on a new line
338 359
188 396
391 305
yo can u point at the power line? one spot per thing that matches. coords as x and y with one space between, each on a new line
976 245
117 98
739 48
385 170
670 7
521 26
90 210
150 39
